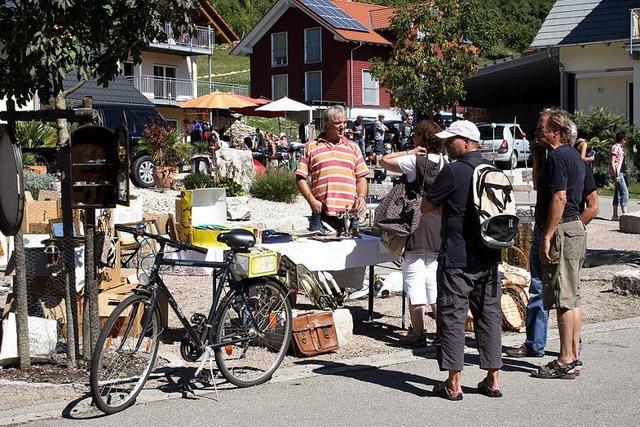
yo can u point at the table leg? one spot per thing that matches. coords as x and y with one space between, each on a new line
371 291
404 307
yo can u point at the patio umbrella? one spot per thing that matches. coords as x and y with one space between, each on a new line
284 105
251 111
217 101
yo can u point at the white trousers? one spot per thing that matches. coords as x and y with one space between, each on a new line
419 277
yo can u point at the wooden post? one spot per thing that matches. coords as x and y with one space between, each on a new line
20 280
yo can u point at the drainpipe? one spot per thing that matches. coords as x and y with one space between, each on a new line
351 71
211 47
563 100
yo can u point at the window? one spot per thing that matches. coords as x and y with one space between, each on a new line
516 132
279 56
127 69
279 86
312 45
313 86
370 89
164 82
173 124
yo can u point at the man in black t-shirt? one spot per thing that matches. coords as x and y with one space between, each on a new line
563 240
467 270
536 316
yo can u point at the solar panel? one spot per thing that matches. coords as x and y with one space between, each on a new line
333 15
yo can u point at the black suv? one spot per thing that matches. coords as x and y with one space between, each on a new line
134 117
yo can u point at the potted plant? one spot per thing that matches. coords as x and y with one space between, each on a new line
161 142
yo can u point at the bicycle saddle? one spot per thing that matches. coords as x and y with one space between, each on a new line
238 238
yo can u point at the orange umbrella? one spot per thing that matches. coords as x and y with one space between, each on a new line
219 101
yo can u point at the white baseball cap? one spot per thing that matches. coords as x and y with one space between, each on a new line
463 128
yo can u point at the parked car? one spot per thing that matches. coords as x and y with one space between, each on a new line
507 144
134 117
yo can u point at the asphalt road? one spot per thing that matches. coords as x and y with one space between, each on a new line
606 394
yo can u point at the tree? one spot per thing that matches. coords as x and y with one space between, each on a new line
437 45
41 42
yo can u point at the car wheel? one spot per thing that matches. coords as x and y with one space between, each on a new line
142 172
513 160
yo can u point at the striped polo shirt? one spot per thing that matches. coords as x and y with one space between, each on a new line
334 169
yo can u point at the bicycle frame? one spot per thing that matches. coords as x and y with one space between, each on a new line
221 270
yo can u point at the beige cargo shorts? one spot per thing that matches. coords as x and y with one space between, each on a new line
561 278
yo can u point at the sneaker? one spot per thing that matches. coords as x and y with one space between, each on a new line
522 351
614 218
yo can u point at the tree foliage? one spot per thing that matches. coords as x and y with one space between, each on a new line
41 42
437 46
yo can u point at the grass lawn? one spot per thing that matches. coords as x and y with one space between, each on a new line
634 191
223 63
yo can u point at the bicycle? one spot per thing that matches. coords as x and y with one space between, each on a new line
248 331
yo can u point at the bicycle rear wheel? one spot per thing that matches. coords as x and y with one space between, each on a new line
124 354
260 316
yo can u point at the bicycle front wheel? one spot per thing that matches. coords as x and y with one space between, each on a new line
256 322
124 354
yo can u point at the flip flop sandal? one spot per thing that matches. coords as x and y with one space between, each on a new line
577 367
483 388
441 390
553 370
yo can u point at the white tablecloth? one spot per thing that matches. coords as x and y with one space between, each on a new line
334 256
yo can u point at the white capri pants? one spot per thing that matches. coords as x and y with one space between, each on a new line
419 277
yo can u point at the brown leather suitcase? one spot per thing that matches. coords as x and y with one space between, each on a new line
315 333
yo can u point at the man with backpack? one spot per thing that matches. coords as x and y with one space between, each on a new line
467 267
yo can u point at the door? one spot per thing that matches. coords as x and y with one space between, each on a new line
164 82
122 144
520 141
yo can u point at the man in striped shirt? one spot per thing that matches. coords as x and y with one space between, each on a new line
331 173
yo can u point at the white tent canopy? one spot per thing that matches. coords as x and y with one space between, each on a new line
285 104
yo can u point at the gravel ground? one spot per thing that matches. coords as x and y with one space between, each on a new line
609 251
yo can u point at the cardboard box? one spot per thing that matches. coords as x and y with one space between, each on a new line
207 238
160 219
40 211
202 207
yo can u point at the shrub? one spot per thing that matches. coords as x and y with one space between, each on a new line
36 134
34 182
232 187
162 143
194 181
277 185
602 125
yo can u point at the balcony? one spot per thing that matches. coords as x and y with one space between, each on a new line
182 44
168 91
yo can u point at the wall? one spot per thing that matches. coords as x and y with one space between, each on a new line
597 57
149 59
361 59
609 92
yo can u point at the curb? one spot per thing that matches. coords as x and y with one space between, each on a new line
298 372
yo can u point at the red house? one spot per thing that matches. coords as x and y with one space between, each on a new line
318 51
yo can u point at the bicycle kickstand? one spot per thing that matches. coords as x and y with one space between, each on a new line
207 357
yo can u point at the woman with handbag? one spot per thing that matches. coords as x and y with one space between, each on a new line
420 165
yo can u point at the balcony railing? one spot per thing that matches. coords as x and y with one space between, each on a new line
203 39
163 90
634 31
203 88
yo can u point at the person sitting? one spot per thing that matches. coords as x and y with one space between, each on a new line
420 166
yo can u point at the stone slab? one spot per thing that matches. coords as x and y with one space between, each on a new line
630 223
627 282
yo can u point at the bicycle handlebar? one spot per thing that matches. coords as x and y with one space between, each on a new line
174 243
